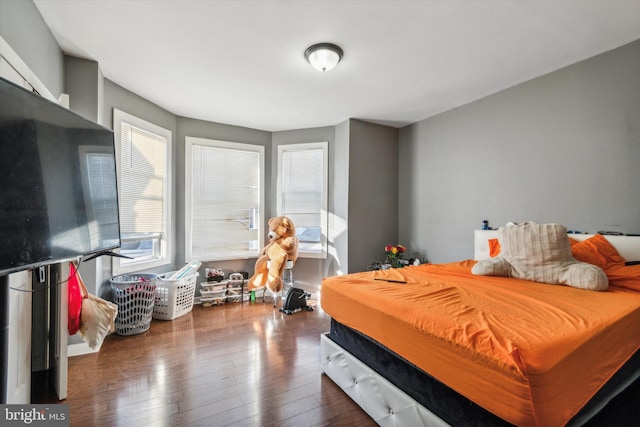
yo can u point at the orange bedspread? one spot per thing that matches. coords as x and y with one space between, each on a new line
531 353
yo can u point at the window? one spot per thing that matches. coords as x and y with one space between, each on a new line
223 200
302 194
143 153
97 166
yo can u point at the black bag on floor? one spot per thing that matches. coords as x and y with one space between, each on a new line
295 300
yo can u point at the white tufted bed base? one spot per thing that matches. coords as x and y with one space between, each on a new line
383 401
389 406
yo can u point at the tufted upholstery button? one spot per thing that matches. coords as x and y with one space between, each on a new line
372 392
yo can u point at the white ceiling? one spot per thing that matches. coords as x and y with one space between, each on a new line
242 62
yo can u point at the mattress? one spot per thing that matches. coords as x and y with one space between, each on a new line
528 353
614 405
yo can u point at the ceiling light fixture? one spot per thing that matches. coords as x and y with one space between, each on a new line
323 56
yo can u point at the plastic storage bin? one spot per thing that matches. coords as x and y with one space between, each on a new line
135 295
214 286
174 297
235 288
213 293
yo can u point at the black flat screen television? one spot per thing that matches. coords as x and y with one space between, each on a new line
58 193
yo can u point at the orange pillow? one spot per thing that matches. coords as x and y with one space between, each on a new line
625 277
598 251
494 247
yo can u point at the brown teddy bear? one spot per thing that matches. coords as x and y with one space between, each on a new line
282 247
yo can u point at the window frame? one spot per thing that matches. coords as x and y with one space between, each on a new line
324 218
190 141
165 237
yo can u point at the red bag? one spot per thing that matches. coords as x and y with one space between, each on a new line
75 300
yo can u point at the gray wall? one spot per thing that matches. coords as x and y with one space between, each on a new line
562 148
373 192
309 271
363 182
23 28
115 96
339 183
223 132
82 81
180 127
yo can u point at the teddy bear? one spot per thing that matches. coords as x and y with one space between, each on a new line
540 253
282 247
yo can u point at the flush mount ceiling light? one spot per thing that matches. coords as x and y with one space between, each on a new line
323 56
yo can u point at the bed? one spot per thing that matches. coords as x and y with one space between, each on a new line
437 345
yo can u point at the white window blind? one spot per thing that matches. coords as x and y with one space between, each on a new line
224 194
103 190
302 193
143 171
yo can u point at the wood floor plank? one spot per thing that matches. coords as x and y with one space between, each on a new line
242 364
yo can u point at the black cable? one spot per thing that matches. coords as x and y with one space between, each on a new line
49 286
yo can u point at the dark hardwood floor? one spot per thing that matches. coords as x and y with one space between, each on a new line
243 364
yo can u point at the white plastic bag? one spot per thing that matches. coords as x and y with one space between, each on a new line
97 318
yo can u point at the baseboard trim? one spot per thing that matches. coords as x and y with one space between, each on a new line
81 348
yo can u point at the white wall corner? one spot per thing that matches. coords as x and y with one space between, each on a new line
63 100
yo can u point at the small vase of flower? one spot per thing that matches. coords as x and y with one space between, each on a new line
394 254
